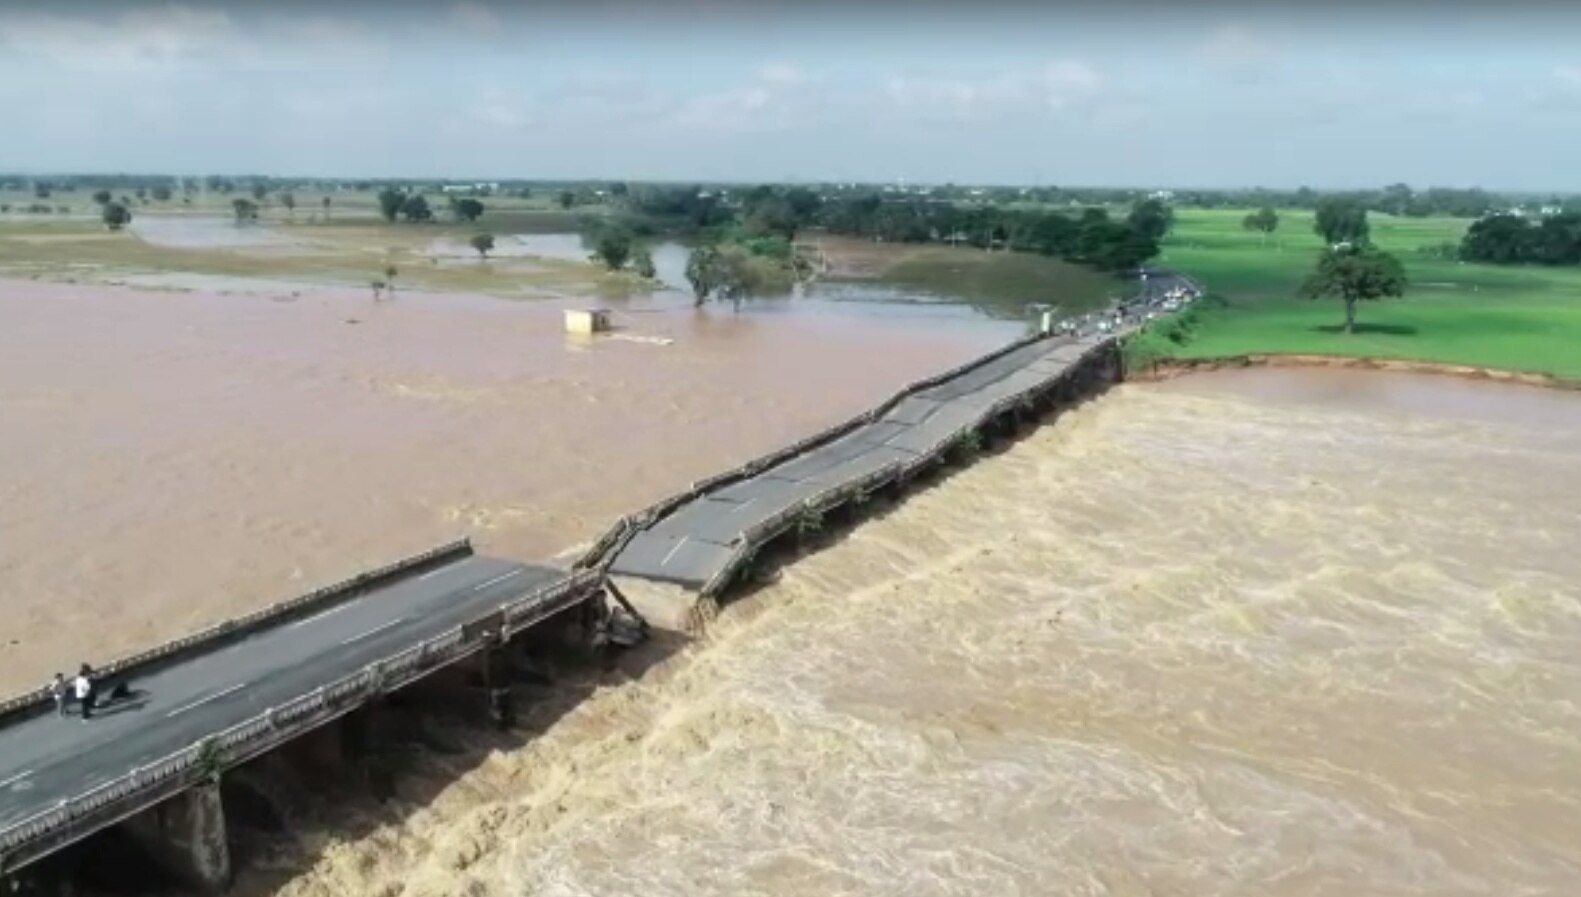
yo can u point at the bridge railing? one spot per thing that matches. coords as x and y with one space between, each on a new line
761 533
602 553
238 627
143 785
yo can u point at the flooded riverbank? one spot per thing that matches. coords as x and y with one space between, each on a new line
1217 636
168 460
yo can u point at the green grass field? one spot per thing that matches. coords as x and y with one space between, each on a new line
1511 318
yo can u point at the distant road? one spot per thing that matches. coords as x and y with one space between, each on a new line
46 759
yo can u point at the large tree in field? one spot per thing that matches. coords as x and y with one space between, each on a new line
116 216
466 209
483 243
612 246
1341 220
390 202
1352 273
1265 221
1152 218
415 208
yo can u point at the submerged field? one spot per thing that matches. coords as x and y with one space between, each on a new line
1000 283
348 246
1514 318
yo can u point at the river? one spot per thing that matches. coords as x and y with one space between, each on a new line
172 459
1246 633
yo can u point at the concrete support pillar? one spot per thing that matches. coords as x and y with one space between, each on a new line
186 834
355 731
497 686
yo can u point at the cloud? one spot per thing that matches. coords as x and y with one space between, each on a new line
140 38
1069 83
1061 86
500 109
172 37
781 75
1568 76
475 17
777 97
1239 54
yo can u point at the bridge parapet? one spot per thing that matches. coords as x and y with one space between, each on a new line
27 839
237 627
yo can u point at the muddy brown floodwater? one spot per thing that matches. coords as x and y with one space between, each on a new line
169 459
1251 633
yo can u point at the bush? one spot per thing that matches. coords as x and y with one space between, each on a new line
1163 338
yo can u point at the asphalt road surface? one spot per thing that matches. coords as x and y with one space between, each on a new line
46 759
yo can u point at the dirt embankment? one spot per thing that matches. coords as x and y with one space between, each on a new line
1180 367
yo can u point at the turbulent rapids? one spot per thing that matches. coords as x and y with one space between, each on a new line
1274 633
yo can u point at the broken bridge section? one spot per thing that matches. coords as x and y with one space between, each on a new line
699 544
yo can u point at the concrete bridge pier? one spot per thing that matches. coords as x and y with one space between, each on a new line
186 834
497 675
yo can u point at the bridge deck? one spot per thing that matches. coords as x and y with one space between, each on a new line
691 546
45 759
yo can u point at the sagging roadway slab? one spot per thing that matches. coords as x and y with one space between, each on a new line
702 538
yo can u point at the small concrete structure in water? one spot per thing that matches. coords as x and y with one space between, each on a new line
586 320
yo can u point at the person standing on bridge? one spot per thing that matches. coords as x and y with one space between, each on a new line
83 686
57 690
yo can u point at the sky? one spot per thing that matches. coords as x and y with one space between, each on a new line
1278 94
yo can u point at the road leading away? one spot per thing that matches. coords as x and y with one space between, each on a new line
46 759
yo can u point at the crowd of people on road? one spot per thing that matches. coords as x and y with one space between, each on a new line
81 689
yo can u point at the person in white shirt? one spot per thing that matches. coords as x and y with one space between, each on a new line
83 686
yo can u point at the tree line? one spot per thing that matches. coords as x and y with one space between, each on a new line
1508 239
1088 236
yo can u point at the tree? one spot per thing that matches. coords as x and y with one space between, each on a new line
1265 221
642 263
483 243
415 208
724 272
1341 220
389 278
771 215
1354 272
703 272
259 192
326 203
116 216
1396 199
567 199
245 210
288 200
102 197
612 245
390 202
1151 218
1557 240
466 209
162 193
1500 239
